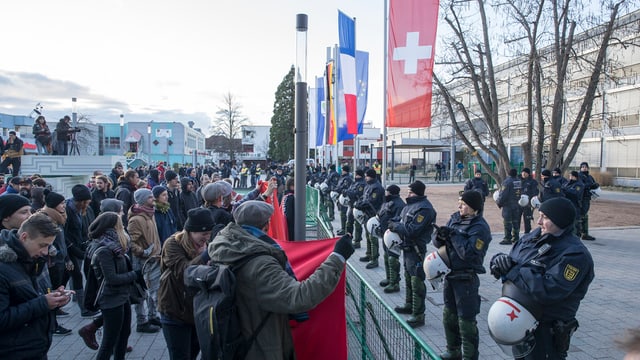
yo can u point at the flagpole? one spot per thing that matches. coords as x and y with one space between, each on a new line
336 71
385 97
326 147
356 149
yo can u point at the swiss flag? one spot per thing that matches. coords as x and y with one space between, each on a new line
412 37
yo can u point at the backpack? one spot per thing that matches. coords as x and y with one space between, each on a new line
93 287
215 310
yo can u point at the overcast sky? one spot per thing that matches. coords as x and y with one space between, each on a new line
168 60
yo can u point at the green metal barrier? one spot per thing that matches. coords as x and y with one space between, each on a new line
317 219
374 330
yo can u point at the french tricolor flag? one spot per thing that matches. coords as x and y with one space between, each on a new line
347 35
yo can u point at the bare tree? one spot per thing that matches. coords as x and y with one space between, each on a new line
228 124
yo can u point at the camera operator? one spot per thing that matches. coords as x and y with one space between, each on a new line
64 131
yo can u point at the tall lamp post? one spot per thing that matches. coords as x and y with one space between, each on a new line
122 133
74 112
149 141
299 229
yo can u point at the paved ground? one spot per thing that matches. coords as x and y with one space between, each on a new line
610 307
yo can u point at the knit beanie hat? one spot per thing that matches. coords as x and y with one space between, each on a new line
199 220
513 172
575 174
360 172
346 168
104 221
10 203
584 163
113 205
141 196
473 199
52 199
546 172
527 170
158 190
80 192
417 187
393 189
371 173
560 211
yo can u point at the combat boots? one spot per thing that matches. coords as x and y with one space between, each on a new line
373 245
419 292
452 334
470 339
408 297
384 282
394 275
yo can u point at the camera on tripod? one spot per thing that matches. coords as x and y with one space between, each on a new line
74 130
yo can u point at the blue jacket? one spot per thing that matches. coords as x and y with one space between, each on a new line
166 224
26 322
558 279
415 223
390 209
510 192
468 243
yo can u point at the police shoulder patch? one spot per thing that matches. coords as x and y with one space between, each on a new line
374 195
419 218
557 190
479 244
570 272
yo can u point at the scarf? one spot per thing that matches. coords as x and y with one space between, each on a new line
137 209
161 207
111 241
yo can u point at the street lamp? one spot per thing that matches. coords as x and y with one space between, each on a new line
149 139
122 133
74 112
299 230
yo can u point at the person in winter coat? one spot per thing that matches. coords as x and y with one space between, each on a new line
27 302
165 220
465 239
110 263
101 191
265 286
145 248
126 188
42 134
175 304
188 196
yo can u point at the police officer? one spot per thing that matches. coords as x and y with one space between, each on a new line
589 184
354 193
556 174
510 192
371 202
414 226
553 269
332 182
477 184
551 188
574 190
529 188
344 183
466 237
391 208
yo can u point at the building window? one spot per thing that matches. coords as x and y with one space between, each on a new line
112 142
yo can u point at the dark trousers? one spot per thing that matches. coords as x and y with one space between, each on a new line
63 147
57 274
182 341
76 273
115 333
545 346
14 162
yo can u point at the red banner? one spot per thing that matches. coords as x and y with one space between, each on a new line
324 335
410 57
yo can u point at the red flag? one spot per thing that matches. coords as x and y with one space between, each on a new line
278 224
324 335
412 40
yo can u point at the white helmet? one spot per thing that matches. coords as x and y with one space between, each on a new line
496 194
317 186
392 242
511 325
535 202
334 195
595 193
360 216
436 266
343 200
524 200
324 187
372 226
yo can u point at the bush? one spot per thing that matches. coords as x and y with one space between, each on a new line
603 178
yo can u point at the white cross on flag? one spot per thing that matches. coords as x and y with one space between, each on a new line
410 56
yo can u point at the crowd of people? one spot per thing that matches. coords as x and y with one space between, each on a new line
145 226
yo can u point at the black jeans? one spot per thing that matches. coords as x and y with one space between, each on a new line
115 333
182 341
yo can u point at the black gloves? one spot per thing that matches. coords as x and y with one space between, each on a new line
500 265
443 234
344 247
392 226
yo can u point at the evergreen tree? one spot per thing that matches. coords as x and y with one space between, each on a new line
281 138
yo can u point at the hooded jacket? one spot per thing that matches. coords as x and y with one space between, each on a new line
26 322
189 198
143 232
263 287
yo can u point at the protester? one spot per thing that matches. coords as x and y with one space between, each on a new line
111 266
42 133
14 210
27 303
265 286
165 219
12 154
101 191
175 304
